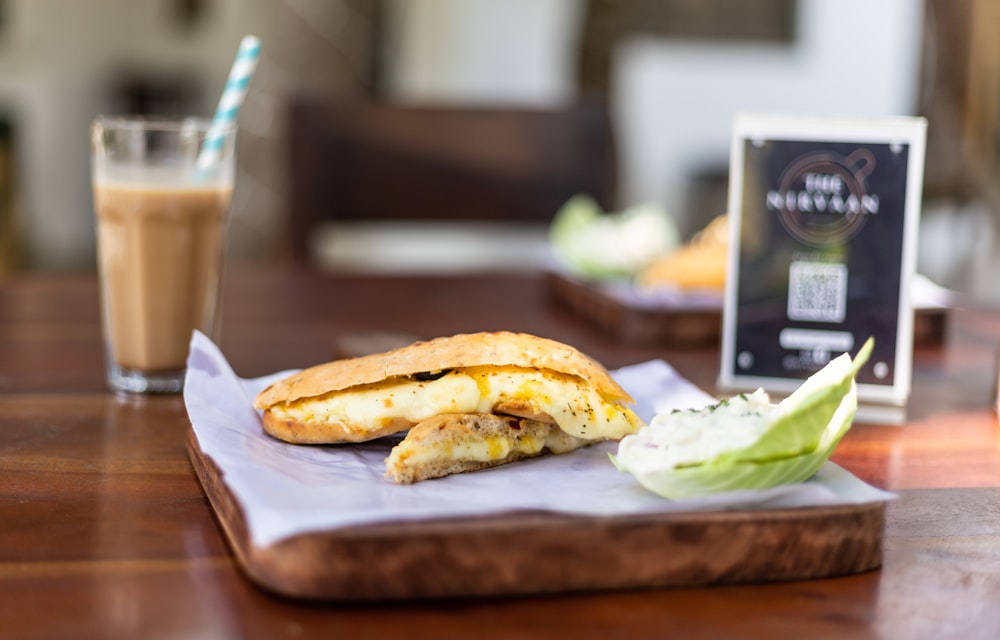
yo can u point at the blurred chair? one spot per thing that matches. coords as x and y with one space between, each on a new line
376 185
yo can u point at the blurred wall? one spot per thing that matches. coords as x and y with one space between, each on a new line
63 61
676 99
673 98
60 63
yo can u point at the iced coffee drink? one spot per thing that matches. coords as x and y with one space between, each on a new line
161 223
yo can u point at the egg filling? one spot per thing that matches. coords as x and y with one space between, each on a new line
544 395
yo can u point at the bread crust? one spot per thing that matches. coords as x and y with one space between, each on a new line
327 432
498 348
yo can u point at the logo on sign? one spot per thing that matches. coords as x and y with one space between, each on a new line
822 197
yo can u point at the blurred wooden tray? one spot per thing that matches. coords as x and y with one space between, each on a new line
688 327
634 325
532 553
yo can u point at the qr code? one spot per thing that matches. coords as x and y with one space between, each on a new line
817 291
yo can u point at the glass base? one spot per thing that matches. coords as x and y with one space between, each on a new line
136 381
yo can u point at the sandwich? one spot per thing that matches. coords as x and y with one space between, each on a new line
464 402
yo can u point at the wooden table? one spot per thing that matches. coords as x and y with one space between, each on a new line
105 532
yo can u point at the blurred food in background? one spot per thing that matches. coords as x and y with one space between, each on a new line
598 245
699 264
639 245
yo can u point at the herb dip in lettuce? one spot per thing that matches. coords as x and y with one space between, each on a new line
746 442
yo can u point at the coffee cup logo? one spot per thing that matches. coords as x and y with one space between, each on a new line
822 197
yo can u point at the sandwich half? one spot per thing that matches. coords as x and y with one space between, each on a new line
459 442
509 384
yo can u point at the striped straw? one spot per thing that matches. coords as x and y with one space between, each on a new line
231 100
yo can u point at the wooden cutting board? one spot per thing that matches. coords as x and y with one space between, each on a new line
529 553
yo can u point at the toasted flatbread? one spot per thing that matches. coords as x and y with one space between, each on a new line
517 374
451 352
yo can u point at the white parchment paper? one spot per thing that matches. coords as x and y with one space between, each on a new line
287 489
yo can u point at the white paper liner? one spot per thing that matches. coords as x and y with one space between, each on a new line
286 489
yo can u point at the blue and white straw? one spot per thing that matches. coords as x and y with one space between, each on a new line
231 100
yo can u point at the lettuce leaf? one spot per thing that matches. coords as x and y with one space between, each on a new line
799 434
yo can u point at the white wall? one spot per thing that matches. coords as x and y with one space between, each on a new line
506 51
675 100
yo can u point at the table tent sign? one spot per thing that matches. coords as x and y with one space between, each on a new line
823 238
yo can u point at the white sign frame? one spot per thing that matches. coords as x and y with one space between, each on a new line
773 127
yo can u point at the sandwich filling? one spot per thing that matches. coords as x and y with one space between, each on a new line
371 410
454 443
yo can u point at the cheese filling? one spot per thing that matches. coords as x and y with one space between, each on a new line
577 408
487 449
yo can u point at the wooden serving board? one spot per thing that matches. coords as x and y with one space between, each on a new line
532 553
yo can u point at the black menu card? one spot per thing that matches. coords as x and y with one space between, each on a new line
823 233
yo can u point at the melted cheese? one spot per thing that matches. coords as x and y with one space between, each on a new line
577 409
485 450
529 440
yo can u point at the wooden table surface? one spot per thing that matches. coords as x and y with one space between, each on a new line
105 532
